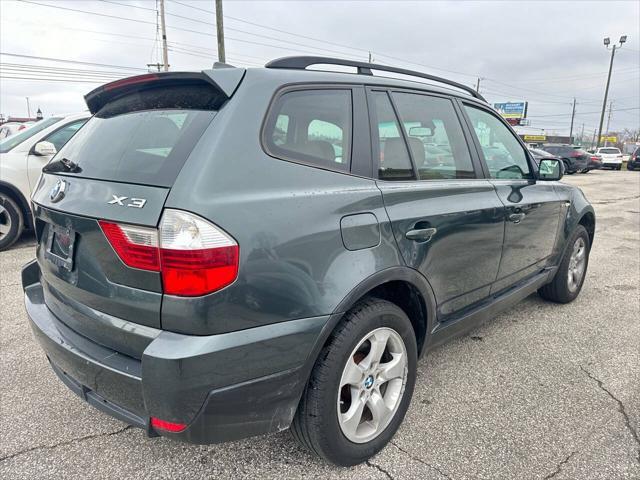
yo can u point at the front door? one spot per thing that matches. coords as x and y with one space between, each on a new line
447 221
532 209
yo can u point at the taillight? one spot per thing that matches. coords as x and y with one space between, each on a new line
196 256
137 247
193 256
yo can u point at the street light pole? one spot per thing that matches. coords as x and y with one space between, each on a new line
623 39
28 109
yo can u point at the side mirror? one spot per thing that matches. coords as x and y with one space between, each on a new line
45 149
550 169
420 132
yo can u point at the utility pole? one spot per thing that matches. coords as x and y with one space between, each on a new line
593 140
478 85
165 52
370 58
608 122
573 114
607 41
220 32
582 135
28 108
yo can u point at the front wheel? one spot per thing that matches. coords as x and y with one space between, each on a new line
11 222
569 278
361 385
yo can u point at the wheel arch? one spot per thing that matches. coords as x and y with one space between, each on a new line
405 287
17 197
588 221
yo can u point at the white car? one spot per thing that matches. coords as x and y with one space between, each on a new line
11 128
611 157
22 157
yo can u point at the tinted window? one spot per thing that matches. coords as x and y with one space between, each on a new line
394 161
435 136
609 151
15 140
312 126
148 147
62 136
505 157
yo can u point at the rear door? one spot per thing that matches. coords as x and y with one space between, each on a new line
532 209
118 168
447 220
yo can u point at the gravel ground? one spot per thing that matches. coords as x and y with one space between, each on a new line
541 391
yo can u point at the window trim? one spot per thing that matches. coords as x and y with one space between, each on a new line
480 152
270 116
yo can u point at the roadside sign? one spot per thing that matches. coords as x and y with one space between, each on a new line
516 110
535 138
609 139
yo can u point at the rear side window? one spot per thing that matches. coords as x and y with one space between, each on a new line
394 161
312 127
435 136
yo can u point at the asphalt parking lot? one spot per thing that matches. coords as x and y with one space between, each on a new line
541 391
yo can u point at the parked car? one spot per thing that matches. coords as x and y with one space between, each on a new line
595 163
22 157
611 157
207 268
11 128
575 160
634 160
538 154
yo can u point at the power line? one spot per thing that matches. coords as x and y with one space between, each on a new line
72 61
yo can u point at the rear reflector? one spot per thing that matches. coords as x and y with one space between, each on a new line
194 256
167 426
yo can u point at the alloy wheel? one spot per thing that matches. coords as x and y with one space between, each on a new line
372 385
577 264
5 222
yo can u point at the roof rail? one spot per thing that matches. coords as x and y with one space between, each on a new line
364 68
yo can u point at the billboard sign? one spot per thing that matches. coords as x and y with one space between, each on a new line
511 110
535 138
604 139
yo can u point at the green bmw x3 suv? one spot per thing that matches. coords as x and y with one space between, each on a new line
233 252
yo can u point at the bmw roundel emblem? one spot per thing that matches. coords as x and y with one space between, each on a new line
58 191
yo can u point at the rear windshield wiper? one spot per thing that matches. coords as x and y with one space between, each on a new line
62 165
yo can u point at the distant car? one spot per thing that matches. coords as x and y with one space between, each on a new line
11 128
634 160
22 157
611 157
539 154
574 160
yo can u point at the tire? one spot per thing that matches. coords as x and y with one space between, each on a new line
619 167
11 221
316 425
562 289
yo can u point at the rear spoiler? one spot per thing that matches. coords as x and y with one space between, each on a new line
225 80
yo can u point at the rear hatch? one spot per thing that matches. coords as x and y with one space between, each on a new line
118 169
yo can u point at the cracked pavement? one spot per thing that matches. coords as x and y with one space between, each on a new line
541 391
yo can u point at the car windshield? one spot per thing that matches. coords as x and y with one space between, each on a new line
609 151
15 140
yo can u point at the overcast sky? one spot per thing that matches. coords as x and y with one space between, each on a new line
542 52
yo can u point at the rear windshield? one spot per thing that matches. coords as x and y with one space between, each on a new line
144 137
609 150
15 140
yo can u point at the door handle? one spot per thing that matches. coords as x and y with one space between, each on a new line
517 217
421 235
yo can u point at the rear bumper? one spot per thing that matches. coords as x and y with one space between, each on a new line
612 162
224 387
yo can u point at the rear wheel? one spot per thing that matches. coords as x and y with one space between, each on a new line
11 221
619 167
569 278
361 385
